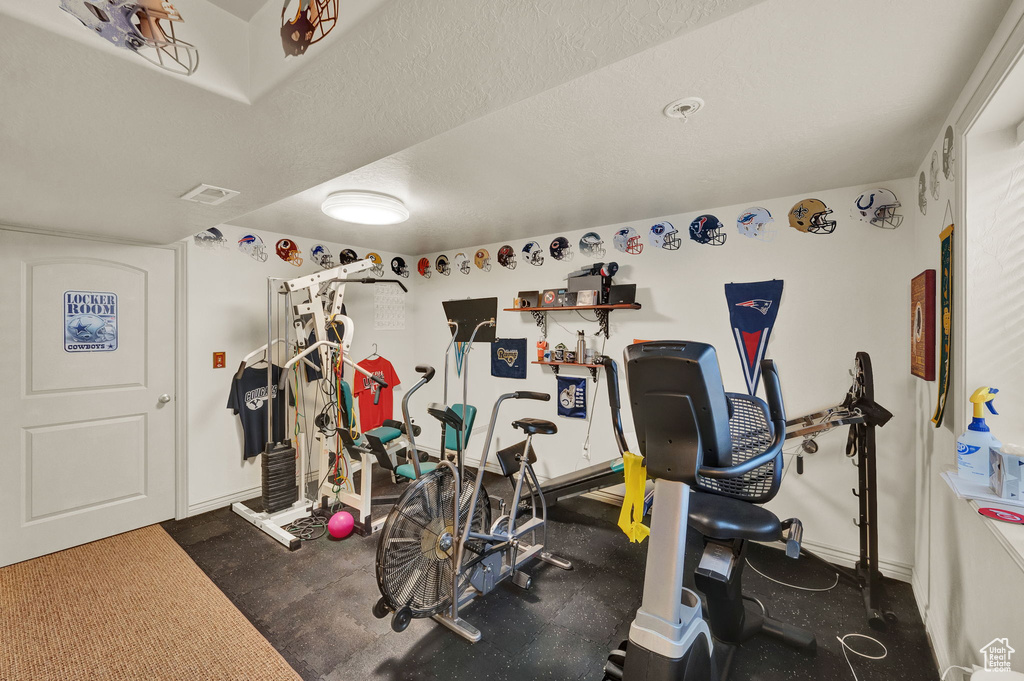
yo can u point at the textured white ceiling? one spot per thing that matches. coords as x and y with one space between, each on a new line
801 96
243 9
94 143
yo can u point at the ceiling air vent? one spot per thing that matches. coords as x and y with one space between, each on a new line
209 195
684 108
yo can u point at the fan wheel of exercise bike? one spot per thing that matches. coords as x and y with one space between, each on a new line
416 551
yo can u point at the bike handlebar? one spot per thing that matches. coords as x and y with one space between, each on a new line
530 395
425 369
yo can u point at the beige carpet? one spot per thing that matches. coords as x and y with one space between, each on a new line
133 606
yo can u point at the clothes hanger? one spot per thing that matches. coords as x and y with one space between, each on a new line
373 355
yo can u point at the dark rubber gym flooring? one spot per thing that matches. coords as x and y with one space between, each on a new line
314 606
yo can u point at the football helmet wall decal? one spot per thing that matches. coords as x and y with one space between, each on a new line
756 223
139 26
378 264
665 235
462 262
483 260
347 257
933 175
322 256
209 238
398 267
628 241
507 257
922 194
423 267
592 245
560 249
533 253
289 252
877 207
442 265
252 246
809 215
708 230
310 21
948 155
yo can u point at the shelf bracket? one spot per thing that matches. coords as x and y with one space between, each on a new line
593 373
602 319
542 321
555 368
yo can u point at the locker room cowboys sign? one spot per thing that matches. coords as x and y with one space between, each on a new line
90 321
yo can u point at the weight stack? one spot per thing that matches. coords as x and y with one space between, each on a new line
279 487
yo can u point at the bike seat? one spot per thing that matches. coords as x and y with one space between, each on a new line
721 517
535 426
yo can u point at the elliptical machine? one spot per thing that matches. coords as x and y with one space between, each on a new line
712 455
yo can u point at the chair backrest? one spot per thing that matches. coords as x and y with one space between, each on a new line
451 440
679 407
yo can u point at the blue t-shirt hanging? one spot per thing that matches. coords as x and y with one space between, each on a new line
508 358
572 397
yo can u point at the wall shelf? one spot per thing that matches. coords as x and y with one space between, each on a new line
540 313
555 366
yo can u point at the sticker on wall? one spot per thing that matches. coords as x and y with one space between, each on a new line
483 260
388 307
322 256
592 245
948 155
210 239
399 267
664 235
253 246
145 27
877 207
305 23
707 230
756 223
508 358
423 267
753 308
933 175
378 264
572 397
507 257
442 265
347 257
561 249
289 252
533 254
627 240
462 262
811 217
90 321
922 194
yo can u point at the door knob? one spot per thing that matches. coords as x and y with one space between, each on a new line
164 399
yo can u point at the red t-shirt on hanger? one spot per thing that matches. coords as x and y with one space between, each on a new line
373 415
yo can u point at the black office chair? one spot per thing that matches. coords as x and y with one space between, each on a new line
713 456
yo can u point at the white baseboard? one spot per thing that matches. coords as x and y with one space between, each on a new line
833 554
221 502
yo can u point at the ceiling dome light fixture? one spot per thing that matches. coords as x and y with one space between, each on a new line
365 208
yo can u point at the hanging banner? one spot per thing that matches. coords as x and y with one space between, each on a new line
508 358
90 321
946 239
753 308
572 397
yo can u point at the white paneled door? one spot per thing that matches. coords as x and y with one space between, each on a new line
87 368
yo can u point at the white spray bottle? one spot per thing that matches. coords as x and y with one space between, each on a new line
972 457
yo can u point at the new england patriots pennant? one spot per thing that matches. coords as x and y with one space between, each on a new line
753 308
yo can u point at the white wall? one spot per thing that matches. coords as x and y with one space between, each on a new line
843 293
227 303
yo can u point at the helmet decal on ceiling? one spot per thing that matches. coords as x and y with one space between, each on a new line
483 260
756 223
933 175
252 246
398 267
347 257
209 238
322 256
628 241
507 257
665 235
442 265
810 216
707 230
462 262
560 249
378 264
948 155
145 27
305 23
922 194
592 245
533 253
877 207
423 267
289 252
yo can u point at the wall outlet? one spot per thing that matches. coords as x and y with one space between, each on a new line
219 360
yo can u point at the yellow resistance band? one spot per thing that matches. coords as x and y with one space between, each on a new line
632 515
